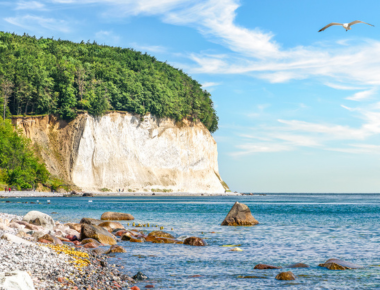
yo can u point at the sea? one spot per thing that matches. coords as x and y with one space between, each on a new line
294 228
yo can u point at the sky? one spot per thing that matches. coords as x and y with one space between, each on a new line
299 110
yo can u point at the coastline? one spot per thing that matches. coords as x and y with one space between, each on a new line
110 194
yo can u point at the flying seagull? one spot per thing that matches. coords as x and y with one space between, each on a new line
347 26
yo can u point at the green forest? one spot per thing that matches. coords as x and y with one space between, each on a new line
47 76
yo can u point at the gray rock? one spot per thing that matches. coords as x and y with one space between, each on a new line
239 215
16 280
39 219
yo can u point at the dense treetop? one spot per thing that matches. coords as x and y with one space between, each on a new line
46 76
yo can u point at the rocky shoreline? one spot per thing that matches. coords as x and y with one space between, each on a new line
27 260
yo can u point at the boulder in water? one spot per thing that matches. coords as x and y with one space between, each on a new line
298 265
194 241
286 276
140 276
97 233
116 249
265 267
116 216
336 264
239 215
39 219
160 234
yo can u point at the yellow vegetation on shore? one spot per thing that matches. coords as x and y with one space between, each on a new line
79 258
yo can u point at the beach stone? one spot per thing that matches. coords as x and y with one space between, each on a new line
90 221
336 264
14 239
52 239
140 277
194 241
14 225
120 233
16 280
286 276
39 219
135 288
298 265
126 237
91 245
3 227
239 215
98 251
265 267
110 226
160 234
74 226
89 240
149 286
116 249
116 216
39 234
43 241
97 233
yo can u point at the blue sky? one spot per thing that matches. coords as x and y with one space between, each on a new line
299 110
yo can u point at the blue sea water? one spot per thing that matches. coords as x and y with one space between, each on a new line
305 228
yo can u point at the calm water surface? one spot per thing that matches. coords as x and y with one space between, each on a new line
307 228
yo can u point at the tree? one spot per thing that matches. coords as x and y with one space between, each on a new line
6 88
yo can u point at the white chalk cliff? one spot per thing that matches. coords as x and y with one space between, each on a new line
122 150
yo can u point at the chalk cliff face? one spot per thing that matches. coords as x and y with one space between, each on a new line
122 150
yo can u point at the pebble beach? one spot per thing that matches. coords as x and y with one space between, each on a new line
53 267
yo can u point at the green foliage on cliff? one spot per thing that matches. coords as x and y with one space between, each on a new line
46 76
19 167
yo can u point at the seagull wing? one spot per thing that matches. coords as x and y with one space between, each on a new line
358 21
328 25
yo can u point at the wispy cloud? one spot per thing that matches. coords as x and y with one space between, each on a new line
295 134
363 95
30 5
209 84
30 22
343 87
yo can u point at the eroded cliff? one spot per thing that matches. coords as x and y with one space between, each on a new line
122 150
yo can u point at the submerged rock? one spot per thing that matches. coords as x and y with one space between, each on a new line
140 276
194 241
336 264
265 267
116 216
39 219
116 249
97 233
239 215
298 265
286 276
160 234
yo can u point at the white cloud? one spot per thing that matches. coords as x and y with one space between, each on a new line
343 87
295 134
33 22
247 149
30 5
363 95
209 84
